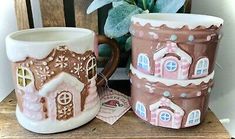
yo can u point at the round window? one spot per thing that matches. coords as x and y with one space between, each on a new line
64 98
165 116
171 65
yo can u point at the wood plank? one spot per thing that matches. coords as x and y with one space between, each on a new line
52 12
129 126
82 19
21 14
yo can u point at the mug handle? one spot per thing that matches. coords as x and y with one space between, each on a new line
112 64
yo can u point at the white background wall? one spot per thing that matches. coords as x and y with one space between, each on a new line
222 100
223 94
7 25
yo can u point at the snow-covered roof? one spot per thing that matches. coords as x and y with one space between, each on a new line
38 43
166 102
170 82
176 49
62 77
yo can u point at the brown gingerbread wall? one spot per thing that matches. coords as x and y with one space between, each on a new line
204 43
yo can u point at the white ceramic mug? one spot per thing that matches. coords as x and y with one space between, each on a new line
54 70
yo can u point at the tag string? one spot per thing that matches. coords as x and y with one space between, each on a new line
106 80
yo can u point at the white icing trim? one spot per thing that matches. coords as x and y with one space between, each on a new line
173 20
170 82
175 107
178 51
62 77
38 43
53 126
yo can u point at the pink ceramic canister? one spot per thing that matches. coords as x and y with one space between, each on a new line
172 70
55 74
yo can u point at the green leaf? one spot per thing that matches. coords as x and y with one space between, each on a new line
96 4
104 50
117 3
146 4
128 44
168 6
119 20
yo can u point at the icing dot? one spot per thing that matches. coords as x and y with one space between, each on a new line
183 95
166 94
208 38
74 64
155 36
173 37
44 63
52 72
50 58
199 93
190 37
31 62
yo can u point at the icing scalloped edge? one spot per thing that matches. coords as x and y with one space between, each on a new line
170 82
177 24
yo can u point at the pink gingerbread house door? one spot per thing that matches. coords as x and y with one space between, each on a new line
165 117
170 67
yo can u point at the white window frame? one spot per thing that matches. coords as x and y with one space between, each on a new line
193 118
173 61
140 60
138 109
92 67
204 67
24 77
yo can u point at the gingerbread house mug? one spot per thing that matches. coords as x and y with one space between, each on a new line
54 70
173 58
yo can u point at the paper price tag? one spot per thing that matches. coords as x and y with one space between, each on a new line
113 105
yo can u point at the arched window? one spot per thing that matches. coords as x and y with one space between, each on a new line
140 109
143 62
91 68
193 118
24 77
202 67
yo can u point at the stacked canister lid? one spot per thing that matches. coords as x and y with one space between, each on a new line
172 72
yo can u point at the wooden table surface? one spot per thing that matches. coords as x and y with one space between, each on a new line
129 126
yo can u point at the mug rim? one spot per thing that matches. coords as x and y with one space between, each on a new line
20 49
13 36
177 20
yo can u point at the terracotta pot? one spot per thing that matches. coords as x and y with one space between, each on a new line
173 58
